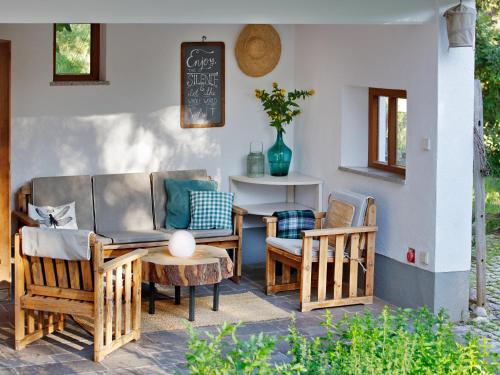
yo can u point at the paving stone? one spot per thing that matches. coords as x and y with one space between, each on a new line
156 352
128 358
75 367
491 328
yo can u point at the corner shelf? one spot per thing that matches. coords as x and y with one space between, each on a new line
262 196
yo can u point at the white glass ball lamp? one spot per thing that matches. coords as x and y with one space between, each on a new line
181 244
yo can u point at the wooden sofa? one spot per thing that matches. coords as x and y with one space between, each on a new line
126 211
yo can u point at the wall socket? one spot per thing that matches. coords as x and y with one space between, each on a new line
424 257
426 144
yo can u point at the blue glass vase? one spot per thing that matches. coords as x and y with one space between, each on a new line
279 157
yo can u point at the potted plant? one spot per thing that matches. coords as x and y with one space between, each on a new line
281 108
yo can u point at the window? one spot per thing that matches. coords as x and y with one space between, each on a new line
76 52
387 130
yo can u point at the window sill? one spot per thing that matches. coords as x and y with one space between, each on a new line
79 83
375 173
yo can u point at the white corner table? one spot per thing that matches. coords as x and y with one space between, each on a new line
261 196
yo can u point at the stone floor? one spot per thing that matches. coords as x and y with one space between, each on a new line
163 352
154 353
489 328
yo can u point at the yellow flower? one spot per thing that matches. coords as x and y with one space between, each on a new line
258 93
282 92
311 92
275 85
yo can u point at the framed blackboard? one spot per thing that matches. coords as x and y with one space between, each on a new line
202 84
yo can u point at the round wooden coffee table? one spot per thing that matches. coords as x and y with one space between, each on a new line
209 265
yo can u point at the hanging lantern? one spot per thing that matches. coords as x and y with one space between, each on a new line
461 21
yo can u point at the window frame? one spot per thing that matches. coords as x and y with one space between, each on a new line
373 129
95 59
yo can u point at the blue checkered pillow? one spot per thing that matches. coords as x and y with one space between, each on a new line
210 210
291 223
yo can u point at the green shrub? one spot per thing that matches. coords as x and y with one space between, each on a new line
492 204
407 342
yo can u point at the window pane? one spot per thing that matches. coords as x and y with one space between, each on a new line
401 133
73 48
383 129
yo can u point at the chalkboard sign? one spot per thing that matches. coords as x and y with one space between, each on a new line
202 84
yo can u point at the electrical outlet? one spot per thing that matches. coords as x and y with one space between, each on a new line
424 257
426 144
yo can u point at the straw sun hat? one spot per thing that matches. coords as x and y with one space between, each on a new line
258 49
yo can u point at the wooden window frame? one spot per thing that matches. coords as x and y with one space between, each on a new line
373 129
95 59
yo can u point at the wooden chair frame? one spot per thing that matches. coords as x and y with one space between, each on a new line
360 243
108 293
234 242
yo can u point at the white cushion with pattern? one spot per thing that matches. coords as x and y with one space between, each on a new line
294 246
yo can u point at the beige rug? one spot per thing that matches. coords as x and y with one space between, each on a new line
233 308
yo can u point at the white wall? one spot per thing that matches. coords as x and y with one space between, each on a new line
455 149
133 124
340 62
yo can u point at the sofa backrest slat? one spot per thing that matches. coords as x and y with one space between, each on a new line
160 195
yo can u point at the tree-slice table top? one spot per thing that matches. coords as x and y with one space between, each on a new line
208 265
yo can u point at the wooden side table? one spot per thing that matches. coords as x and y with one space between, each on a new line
209 265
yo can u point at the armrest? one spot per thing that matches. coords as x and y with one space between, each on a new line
239 211
121 260
319 214
25 219
337 231
270 219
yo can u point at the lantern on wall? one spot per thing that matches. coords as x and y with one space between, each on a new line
460 21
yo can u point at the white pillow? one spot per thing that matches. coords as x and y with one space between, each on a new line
61 217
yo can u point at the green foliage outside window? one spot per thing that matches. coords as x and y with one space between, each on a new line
405 342
73 48
487 70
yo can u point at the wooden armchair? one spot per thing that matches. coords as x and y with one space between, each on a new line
109 294
321 265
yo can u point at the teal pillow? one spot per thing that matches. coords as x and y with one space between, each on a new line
178 214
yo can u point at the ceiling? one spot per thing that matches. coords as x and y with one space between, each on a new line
222 11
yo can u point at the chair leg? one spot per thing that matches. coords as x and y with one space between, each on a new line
270 272
285 278
20 328
60 322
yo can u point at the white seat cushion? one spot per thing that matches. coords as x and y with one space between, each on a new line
136 236
294 246
203 233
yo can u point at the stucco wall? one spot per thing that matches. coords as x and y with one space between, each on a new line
341 62
133 124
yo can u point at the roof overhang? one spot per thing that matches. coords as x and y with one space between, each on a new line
221 11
